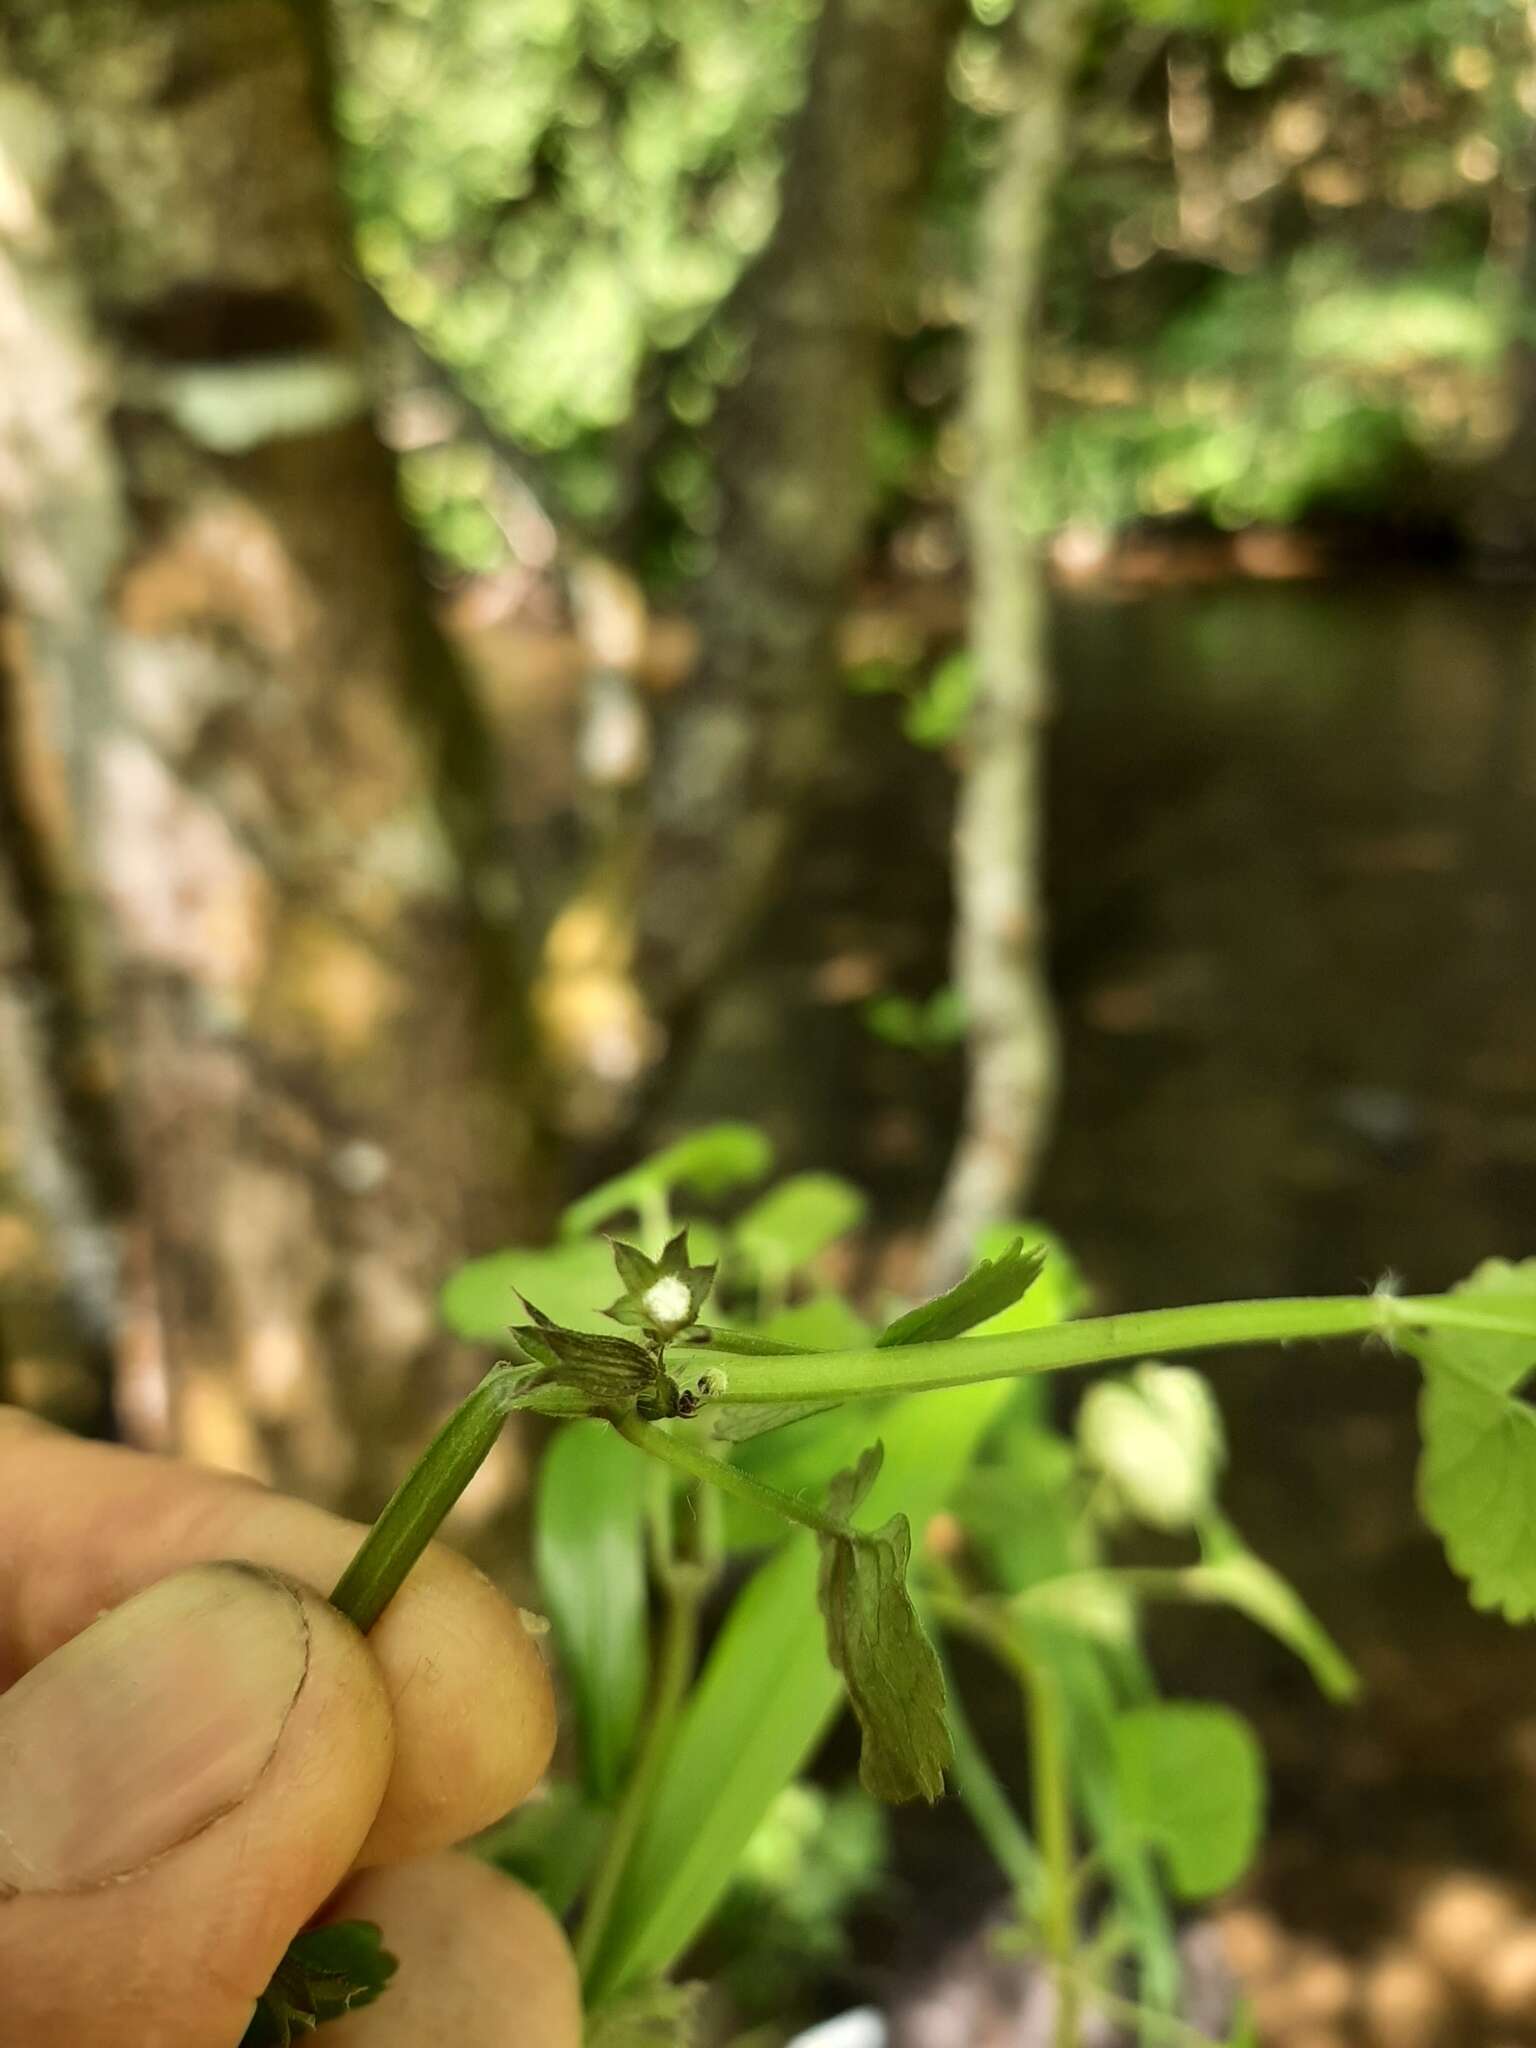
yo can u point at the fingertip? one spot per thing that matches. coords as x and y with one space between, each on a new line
473 1704
473 1948
238 1738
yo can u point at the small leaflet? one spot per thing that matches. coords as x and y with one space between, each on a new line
995 1284
325 1974
877 1645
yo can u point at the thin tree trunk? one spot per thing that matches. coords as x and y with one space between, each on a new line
999 904
261 1040
756 721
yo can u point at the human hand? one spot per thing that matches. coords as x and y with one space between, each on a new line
220 1758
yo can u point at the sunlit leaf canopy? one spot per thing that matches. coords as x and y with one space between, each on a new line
550 194
1284 277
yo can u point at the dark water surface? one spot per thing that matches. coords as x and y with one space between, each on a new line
1292 855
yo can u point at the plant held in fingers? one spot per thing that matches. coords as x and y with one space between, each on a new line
752 1440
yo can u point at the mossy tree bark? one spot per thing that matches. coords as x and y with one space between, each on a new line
999 901
792 457
262 1047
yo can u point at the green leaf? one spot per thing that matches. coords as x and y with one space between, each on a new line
796 1220
326 1973
995 1285
589 1546
1234 1575
1156 1435
824 1323
762 1702
1058 1294
1477 1471
479 1301
658 2015
1191 1780
938 713
876 1641
708 1162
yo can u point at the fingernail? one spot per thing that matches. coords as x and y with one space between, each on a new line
147 1726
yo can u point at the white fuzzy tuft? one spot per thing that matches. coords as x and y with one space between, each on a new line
668 1303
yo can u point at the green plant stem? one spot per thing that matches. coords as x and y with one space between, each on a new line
698 1464
1148 2023
1057 1888
1095 1340
416 1510
679 1651
1053 1825
990 1807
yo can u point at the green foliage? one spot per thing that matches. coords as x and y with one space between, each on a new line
780 1926
875 1640
589 1549
550 1845
936 716
672 1796
795 1222
991 1287
708 1163
929 1026
658 2015
477 1301
764 1698
1191 1779
552 196
326 1973
1477 1475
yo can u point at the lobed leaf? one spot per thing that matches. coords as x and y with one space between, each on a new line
326 1973
1477 1469
876 1642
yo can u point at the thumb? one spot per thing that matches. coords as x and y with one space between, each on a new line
181 1787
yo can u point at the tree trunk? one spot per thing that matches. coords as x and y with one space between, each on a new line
261 1043
999 906
757 718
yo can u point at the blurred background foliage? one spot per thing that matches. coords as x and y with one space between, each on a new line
1284 272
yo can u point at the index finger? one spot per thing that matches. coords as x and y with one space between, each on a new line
84 1525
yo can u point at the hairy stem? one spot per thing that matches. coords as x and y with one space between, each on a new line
921 1368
